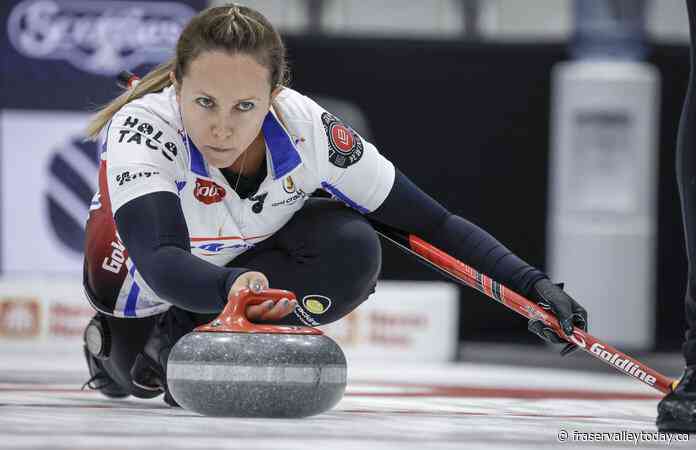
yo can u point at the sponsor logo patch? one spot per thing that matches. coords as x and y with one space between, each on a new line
127 176
208 192
316 304
300 194
304 317
289 185
345 145
219 247
143 133
258 200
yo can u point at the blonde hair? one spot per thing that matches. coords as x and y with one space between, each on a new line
231 28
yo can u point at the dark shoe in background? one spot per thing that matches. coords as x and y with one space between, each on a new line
676 412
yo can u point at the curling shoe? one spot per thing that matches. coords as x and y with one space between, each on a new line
149 371
676 412
100 380
149 375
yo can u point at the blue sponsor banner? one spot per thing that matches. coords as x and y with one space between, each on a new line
64 54
58 62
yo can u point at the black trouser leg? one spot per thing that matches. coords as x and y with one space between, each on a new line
154 336
686 178
128 337
327 254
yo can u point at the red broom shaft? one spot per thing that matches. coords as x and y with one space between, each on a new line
531 310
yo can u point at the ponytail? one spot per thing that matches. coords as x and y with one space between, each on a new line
156 80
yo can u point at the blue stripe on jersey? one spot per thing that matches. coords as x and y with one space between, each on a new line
284 155
106 138
197 162
343 197
129 310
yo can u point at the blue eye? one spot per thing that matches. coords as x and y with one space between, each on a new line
245 106
204 102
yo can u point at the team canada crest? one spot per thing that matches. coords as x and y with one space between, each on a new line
208 192
345 145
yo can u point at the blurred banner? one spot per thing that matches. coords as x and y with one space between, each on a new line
414 321
44 209
401 321
59 61
64 54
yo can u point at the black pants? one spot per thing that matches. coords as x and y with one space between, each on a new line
327 254
686 178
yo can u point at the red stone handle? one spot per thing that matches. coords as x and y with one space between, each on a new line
233 318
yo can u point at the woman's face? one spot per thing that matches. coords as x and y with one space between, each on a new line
223 99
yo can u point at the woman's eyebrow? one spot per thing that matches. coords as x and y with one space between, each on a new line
212 97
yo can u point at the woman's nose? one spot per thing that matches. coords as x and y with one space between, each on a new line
222 129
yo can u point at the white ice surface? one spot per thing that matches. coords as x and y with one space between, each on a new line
399 406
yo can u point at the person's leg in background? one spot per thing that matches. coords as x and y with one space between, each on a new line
677 411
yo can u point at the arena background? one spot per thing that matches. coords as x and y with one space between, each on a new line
458 94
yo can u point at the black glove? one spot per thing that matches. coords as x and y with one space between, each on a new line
569 313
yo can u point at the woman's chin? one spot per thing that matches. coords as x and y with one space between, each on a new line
221 163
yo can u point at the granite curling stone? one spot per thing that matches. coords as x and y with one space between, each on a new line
232 367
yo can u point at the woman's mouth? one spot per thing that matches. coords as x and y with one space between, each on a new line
219 149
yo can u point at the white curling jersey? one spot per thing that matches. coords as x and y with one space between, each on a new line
146 150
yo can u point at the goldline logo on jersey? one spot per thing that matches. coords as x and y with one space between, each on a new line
345 146
142 133
114 262
208 192
99 37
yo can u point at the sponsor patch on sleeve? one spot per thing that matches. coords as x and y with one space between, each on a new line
128 176
345 145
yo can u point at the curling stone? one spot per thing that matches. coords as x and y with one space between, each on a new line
232 367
